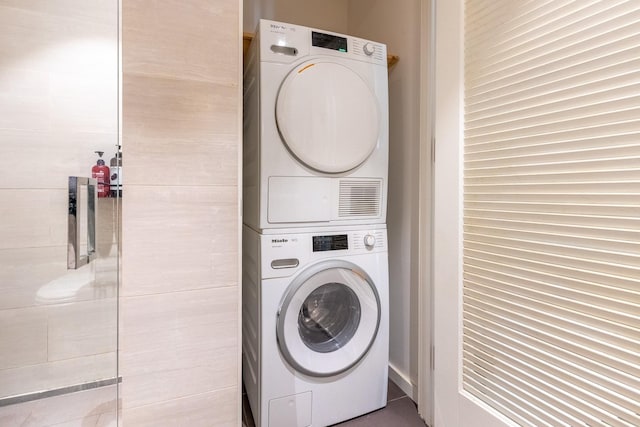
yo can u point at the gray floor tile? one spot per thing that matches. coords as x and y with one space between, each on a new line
394 392
398 413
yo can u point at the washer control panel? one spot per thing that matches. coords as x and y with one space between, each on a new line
284 253
369 241
334 242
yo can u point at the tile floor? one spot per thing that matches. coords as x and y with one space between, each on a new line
399 412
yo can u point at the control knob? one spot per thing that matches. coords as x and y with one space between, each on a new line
369 49
369 241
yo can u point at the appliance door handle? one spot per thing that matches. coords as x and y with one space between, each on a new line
285 263
75 259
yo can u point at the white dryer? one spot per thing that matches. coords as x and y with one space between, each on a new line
315 325
315 129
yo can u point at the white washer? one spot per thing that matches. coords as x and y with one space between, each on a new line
315 129
315 325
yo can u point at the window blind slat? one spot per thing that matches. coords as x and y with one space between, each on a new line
609 214
518 28
545 379
607 355
494 332
623 171
545 229
523 98
592 239
628 155
533 351
565 218
591 137
582 259
494 395
614 281
562 241
480 11
563 113
612 300
551 210
615 86
621 199
556 321
561 72
577 34
538 384
627 112
610 329
599 187
584 297
509 380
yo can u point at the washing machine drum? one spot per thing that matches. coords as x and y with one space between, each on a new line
328 319
327 116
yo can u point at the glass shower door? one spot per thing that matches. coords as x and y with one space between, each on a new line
59 227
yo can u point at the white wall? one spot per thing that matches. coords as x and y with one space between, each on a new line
447 212
398 25
325 15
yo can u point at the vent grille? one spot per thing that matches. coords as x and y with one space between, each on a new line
359 199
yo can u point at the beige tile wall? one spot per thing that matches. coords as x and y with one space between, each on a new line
179 346
96 408
58 104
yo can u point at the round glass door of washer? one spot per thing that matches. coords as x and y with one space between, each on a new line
327 116
329 319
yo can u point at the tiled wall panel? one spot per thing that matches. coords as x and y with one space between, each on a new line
57 374
214 409
179 347
58 105
95 407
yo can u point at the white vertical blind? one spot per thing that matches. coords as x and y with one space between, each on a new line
551 306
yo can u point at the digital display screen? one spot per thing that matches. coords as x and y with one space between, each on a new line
330 243
328 41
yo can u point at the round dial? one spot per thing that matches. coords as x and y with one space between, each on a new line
369 241
369 49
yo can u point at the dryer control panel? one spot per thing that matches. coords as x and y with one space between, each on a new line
287 43
329 41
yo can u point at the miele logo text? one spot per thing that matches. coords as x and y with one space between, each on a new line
278 27
279 240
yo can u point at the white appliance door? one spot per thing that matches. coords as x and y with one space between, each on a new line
327 116
328 319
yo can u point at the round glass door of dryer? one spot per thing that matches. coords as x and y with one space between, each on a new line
327 116
328 319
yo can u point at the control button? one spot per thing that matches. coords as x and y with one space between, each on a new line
369 241
368 49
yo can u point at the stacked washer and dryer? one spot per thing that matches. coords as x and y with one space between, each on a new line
315 270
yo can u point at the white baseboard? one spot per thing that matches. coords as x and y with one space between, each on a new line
404 382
